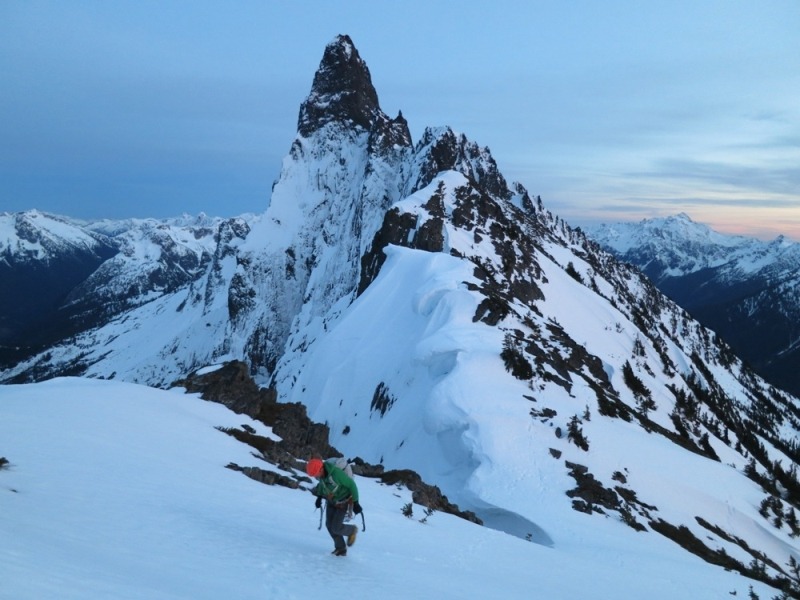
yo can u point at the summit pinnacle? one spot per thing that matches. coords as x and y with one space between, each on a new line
342 90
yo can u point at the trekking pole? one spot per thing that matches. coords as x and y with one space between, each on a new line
363 523
320 518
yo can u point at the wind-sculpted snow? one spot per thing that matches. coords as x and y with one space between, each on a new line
410 331
278 275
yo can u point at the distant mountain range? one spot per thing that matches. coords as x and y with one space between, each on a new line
61 276
435 318
746 290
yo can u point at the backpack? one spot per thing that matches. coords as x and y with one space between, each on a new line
342 463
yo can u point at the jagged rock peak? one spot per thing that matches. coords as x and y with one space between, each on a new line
442 149
342 90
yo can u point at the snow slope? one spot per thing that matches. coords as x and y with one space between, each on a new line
116 490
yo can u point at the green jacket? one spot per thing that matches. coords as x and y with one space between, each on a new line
336 486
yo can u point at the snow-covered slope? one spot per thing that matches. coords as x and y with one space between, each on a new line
746 290
115 490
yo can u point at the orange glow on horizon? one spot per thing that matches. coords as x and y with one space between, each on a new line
764 223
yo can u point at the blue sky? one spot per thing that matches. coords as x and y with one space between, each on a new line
611 111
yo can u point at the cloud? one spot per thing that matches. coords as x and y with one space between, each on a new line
725 178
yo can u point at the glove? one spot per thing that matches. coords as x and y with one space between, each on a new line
318 503
356 508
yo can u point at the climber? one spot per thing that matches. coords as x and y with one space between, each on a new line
341 493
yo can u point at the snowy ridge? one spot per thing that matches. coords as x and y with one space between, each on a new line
42 258
40 236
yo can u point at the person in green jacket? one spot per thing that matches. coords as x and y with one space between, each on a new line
340 491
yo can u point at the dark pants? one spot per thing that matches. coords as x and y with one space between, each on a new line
334 521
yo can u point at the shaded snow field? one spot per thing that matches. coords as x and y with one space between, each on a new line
120 491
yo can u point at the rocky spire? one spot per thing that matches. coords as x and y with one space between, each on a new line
342 90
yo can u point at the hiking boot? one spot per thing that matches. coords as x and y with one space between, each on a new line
351 539
339 552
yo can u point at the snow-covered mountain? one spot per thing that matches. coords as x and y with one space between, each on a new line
746 290
61 276
42 258
436 318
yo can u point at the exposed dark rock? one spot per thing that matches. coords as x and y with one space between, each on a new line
342 90
241 296
232 386
366 469
443 150
591 495
493 308
430 235
631 498
426 495
382 400
591 491
544 415
395 230
388 133
301 436
264 476
515 361
739 542
435 205
682 536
